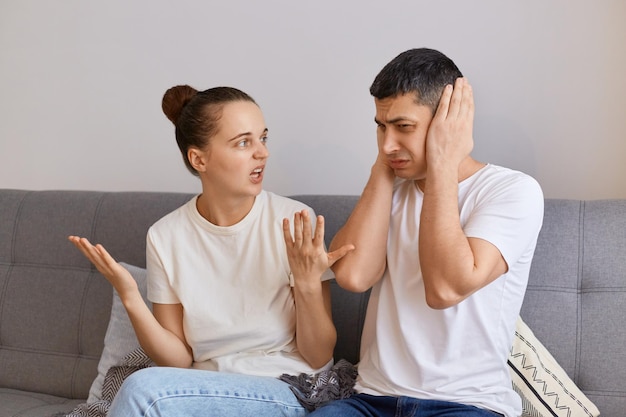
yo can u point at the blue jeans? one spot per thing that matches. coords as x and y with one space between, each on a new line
364 405
162 391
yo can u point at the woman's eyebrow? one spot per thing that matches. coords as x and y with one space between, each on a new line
241 135
244 134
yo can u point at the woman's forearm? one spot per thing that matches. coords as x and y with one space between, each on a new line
315 331
163 346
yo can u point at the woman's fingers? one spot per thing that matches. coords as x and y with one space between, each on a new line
287 233
97 255
302 230
307 228
83 245
297 229
337 254
319 230
104 255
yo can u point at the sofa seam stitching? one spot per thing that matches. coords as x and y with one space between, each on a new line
579 318
18 215
87 285
49 352
11 259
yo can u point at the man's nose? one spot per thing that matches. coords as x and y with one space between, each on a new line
389 142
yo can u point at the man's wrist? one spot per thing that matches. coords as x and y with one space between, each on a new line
382 170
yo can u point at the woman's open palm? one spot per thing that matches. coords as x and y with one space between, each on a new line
115 273
305 250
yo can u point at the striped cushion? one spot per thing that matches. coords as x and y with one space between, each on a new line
545 388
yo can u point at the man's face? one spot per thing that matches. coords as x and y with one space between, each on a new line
402 128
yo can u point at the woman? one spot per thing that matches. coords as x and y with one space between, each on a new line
235 295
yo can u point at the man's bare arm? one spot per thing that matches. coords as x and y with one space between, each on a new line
453 266
367 229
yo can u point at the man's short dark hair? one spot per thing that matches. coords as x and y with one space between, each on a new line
422 71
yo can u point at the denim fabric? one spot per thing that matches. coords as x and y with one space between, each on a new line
364 405
174 392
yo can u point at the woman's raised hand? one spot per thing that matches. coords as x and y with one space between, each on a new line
116 274
306 252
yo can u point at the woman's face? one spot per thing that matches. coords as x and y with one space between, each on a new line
236 155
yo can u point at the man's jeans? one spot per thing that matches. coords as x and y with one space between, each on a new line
162 391
363 405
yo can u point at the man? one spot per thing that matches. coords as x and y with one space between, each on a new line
445 242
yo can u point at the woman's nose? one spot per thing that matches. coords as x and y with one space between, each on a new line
261 151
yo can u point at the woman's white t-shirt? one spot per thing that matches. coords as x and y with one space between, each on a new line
234 285
458 354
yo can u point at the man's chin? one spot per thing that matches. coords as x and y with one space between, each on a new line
402 173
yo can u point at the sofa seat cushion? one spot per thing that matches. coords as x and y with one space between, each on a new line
15 403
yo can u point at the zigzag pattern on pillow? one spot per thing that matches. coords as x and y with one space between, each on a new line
545 388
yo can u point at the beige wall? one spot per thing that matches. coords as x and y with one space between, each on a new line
81 83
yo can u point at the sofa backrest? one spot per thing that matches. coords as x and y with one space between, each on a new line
54 306
575 302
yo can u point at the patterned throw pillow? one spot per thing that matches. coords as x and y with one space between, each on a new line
543 385
120 339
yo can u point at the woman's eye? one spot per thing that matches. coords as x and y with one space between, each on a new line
264 139
242 143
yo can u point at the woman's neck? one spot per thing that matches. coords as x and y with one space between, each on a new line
222 211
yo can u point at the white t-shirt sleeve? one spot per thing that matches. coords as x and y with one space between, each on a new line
159 289
509 216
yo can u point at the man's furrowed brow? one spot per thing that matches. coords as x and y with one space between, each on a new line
399 119
394 121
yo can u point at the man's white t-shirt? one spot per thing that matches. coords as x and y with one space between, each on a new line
458 354
234 285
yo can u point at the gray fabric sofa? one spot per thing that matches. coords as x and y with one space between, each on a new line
54 307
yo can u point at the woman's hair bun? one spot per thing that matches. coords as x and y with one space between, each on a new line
175 99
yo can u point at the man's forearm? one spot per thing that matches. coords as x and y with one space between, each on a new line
444 251
367 229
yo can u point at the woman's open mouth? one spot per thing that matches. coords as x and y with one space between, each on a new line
257 175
